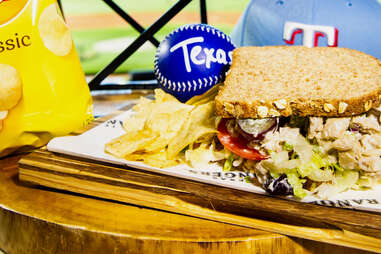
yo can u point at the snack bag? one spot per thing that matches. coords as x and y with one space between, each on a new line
43 91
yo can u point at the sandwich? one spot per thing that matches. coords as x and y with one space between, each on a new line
304 120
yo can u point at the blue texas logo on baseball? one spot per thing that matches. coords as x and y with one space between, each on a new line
192 59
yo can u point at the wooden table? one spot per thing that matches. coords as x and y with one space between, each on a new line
41 220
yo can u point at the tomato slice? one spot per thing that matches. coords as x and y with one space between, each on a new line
237 145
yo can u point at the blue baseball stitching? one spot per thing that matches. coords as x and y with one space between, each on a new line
187 85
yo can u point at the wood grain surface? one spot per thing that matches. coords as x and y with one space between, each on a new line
126 185
42 220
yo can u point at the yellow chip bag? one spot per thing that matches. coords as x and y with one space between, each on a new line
43 91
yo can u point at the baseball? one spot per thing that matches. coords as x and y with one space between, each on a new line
192 59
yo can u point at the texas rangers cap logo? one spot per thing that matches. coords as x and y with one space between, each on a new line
310 33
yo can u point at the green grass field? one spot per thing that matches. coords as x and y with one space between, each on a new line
97 47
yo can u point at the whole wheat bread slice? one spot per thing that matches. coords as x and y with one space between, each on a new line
295 80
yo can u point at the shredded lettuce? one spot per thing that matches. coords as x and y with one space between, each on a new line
288 147
335 179
303 149
274 175
297 184
317 149
248 179
342 182
317 169
301 161
228 165
365 182
279 159
280 163
337 167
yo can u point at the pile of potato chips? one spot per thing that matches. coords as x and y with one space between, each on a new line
161 129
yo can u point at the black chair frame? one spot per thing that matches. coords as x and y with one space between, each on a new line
145 35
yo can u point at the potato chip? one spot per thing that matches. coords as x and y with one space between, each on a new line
160 129
134 123
137 120
160 160
202 156
161 96
154 113
10 87
170 107
167 126
153 159
163 117
54 32
137 156
144 105
205 97
199 123
166 115
129 143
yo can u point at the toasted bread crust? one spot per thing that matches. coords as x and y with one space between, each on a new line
249 92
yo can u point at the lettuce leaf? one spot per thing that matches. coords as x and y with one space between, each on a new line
297 184
228 165
317 169
342 182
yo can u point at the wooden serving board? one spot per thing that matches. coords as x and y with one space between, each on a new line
345 227
43 221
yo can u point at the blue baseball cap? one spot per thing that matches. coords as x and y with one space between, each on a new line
354 24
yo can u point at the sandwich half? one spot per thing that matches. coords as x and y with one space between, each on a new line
304 120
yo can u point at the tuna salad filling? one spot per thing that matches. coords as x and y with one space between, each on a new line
303 156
